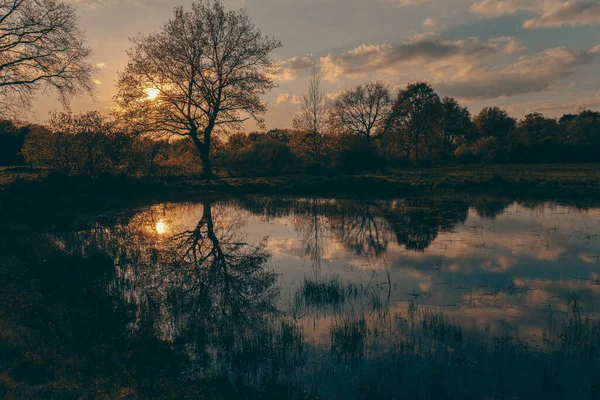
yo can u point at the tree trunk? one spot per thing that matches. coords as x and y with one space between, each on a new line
206 166
204 149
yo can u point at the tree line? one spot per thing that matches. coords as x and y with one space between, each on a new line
362 130
187 90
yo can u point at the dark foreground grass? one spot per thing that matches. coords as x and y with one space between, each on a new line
535 181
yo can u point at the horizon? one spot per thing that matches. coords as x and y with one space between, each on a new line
521 56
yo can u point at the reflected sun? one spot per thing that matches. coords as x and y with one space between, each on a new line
152 93
161 227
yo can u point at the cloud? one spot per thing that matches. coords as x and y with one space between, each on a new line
550 13
528 74
405 3
496 8
421 49
588 102
511 44
286 97
430 23
101 65
468 69
289 69
97 82
568 13
282 98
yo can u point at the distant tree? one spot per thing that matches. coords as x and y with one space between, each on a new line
73 143
494 122
418 114
536 127
456 126
282 135
44 147
582 133
313 115
205 71
364 111
12 138
41 47
565 119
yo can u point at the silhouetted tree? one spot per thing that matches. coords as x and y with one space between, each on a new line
312 118
76 143
494 122
364 111
583 133
41 47
418 114
202 73
12 138
456 126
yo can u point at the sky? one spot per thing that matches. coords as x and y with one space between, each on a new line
522 55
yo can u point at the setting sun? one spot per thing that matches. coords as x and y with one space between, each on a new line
161 227
152 93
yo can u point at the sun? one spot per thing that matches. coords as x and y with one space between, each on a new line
161 227
152 93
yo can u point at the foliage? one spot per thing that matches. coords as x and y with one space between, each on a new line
12 137
417 119
266 156
355 156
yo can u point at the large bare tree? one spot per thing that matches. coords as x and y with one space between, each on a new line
203 72
364 111
312 118
41 48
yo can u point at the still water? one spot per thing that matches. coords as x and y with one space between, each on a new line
310 298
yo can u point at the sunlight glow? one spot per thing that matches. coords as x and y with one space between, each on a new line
161 227
152 93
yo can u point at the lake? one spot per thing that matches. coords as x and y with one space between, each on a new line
275 297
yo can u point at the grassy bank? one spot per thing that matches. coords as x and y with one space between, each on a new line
27 188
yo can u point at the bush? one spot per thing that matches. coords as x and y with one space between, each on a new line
356 156
266 156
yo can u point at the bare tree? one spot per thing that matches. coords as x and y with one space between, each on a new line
205 71
41 48
313 116
365 110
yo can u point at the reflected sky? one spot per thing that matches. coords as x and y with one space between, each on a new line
498 267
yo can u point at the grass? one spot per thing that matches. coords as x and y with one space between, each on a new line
424 353
519 179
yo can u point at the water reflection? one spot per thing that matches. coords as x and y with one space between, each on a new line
273 297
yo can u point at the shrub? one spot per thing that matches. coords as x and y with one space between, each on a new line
266 156
356 156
